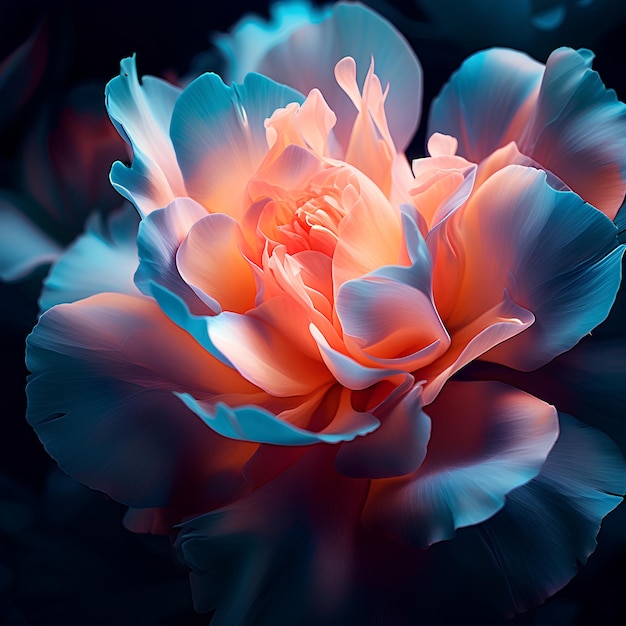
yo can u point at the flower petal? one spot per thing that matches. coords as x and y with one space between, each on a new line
250 39
487 439
219 136
487 101
561 261
307 58
272 347
142 114
502 322
254 423
532 548
390 323
283 555
396 448
160 236
370 235
349 372
561 115
211 262
23 245
100 399
103 259
578 130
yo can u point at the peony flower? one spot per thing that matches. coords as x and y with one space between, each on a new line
280 388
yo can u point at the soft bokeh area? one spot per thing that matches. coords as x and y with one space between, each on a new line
65 555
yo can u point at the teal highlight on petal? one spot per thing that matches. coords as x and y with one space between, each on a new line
252 423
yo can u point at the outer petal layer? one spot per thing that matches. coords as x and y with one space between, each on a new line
560 260
578 130
103 259
100 399
23 245
487 439
487 102
561 115
142 114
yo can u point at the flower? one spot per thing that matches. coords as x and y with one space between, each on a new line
277 386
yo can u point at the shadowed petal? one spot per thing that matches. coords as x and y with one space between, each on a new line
23 245
397 447
100 399
533 547
486 440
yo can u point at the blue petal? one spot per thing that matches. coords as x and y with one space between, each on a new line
218 133
251 38
23 245
485 104
533 547
578 130
561 261
103 259
252 423
487 439
100 399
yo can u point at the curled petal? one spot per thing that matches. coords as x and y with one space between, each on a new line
160 235
349 372
142 113
254 423
211 262
370 148
560 115
272 347
578 130
396 448
391 323
561 261
502 322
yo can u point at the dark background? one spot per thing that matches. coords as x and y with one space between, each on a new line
64 556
